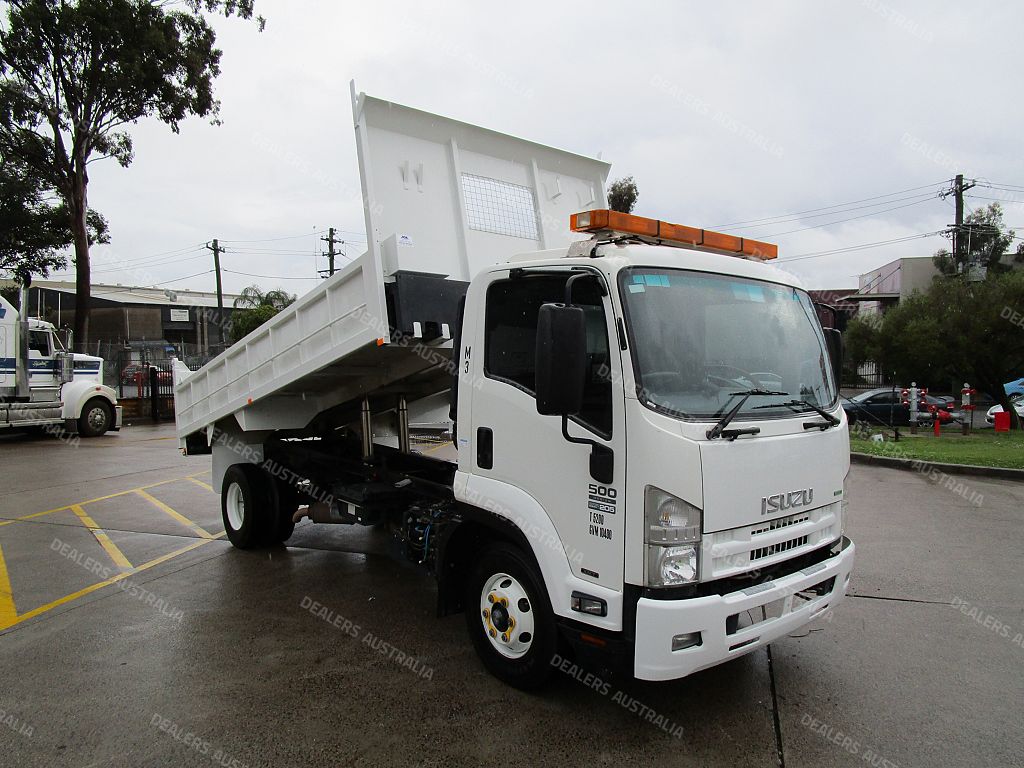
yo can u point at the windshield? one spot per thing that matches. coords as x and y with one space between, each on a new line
700 341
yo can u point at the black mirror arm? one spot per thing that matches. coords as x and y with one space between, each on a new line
601 456
569 284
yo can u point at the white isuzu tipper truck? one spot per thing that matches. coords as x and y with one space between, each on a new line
43 385
651 451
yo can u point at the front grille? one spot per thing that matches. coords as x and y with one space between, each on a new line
782 522
774 549
762 544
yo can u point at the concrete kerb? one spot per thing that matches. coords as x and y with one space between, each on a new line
950 469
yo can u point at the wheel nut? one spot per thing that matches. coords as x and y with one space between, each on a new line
511 622
486 613
505 637
490 598
493 633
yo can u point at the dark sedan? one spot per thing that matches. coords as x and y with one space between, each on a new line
885 406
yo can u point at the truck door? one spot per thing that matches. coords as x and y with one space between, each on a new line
512 443
43 375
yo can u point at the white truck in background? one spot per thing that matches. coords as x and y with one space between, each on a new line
44 385
652 456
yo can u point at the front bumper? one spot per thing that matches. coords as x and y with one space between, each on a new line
775 606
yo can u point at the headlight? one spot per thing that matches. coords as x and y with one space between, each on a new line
673 539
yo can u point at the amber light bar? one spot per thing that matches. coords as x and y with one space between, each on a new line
604 220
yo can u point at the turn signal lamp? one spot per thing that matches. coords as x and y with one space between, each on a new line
603 220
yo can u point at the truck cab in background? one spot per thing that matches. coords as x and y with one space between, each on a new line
42 384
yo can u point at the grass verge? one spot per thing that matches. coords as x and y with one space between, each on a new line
982 449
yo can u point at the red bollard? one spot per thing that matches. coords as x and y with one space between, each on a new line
938 426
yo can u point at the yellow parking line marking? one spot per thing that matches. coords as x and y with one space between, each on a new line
101 536
201 484
174 513
93 501
437 447
8 613
7 623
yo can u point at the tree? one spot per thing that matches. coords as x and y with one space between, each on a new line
253 308
958 331
985 242
860 343
622 195
34 225
74 74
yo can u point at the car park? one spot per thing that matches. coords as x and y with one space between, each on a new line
885 406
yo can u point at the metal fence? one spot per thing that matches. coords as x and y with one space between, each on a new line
146 373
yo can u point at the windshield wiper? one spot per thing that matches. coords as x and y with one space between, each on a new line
719 428
830 420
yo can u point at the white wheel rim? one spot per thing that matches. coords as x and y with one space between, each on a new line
506 612
235 506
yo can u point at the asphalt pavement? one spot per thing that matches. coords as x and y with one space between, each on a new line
132 634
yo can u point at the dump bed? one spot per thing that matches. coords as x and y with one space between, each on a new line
442 199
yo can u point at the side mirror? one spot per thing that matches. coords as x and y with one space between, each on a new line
834 344
561 360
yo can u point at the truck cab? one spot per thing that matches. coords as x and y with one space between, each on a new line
682 545
42 384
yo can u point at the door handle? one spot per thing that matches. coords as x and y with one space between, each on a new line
484 448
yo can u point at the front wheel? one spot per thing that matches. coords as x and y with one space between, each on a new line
245 503
509 618
96 418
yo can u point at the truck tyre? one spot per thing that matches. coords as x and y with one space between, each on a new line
285 502
96 418
245 505
509 618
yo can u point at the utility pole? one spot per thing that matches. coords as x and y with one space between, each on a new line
331 253
217 251
958 195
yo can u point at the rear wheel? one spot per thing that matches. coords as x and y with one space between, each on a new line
245 505
96 418
285 503
509 618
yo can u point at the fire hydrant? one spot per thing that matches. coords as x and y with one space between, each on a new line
967 408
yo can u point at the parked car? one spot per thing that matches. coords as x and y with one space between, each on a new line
1017 401
886 406
1014 387
130 374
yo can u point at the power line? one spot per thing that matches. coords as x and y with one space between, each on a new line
828 207
919 197
860 247
133 268
998 199
155 285
841 221
996 184
267 277
278 239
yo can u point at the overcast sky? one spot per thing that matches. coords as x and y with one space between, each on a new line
724 113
